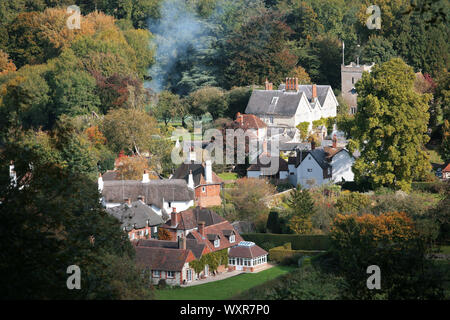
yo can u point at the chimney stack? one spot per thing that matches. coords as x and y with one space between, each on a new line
201 228
191 180
208 171
141 198
127 201
145 177
334 141
314 92
239 118
296 84
174 218
182 243
313 144
100 182
268 85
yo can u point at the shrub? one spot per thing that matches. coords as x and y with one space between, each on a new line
299 242
286 256
433 187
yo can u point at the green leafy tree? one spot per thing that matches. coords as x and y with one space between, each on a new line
301 207
168 106
377 50
390 127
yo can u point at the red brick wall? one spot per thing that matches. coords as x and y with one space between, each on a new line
209 198
137 233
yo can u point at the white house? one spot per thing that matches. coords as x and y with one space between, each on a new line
292 104
318 166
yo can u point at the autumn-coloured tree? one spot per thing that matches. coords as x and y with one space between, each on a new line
248 198
164 234
300 73
6 64
132 168
389 241
95 135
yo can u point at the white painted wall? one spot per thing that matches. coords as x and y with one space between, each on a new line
342 167
310 179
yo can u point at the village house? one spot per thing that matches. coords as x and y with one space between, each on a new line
292 104
446 172
160 195
202 180
137 219
318 166
166 260
264 169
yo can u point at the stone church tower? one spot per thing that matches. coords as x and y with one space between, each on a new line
350 74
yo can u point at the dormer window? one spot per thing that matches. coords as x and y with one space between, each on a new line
217 243
232 238
274 100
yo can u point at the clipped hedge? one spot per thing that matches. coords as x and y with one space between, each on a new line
268 241
284 254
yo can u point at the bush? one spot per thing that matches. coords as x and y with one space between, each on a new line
432 187
299 242
162 284
286 256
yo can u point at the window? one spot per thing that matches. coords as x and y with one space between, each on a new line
274 100
217 243
203 189
156 273
232 238
132 236
291 173
353 80
232 261
309 170
146 232
271 119
171 274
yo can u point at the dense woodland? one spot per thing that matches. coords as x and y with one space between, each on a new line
71 101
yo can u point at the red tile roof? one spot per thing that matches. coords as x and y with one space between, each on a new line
247 252
222 231
163 258
249 121
447 168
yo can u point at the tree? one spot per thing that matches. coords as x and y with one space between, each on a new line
248 198
352 202
390 127
237 100
391 242
168 106
131 130
301 207
208 99
300 73
132 168
377 50
444 149
6 64
60 223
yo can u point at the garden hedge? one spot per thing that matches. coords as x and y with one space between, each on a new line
299 242
283 253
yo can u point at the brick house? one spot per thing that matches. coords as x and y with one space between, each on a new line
169 263
137 219
200 178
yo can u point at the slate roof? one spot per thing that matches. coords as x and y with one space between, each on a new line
247 252
190 218
154 191
261 100
198 173
282 166
163 258
135 216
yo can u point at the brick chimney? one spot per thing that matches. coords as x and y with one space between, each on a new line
141 198
127 201
182 243
173 218
314 92
334 141
296 84
268 85
239 118
201 228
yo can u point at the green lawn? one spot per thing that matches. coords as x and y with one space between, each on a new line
445 249
223 289
228 176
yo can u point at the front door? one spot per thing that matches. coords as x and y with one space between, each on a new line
206 270
189 275
239 264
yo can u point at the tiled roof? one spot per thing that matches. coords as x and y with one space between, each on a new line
447 168
248 121
247 252
190 218
162 258
282 165
216 229
198 249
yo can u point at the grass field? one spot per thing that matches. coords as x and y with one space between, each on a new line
228 176
222 289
